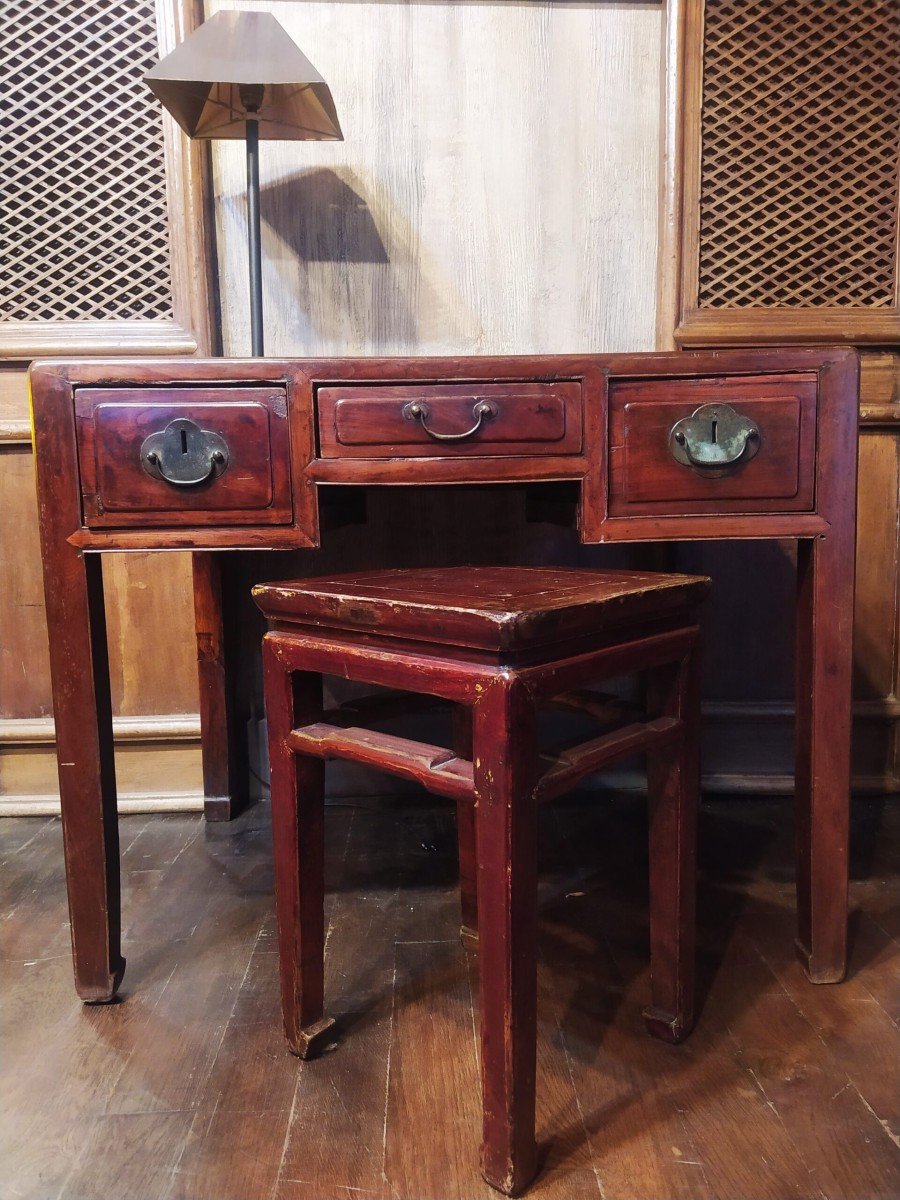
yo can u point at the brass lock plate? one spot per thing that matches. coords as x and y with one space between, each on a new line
183 454
714 440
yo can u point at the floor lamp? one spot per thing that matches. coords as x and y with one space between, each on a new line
239 75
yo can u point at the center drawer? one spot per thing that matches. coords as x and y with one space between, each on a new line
431 420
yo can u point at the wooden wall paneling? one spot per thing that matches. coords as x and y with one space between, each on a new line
157 765
781 125
150 601
24 664
189 199
153 673
877 626
849 68
15 427
748 661
150 617
680 181
674 92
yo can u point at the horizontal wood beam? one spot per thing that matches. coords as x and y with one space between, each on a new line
26 340
435 767
600 706
573 764
15 433
750 326
880 416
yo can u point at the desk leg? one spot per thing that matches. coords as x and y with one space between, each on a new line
823 728
225 767
79 669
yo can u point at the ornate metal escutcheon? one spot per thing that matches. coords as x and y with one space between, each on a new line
183 454
714 439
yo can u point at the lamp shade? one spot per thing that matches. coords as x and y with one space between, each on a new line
243 64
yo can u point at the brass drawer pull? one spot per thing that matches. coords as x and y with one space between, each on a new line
417 410
714 439
183 454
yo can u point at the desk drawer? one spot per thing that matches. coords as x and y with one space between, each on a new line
443 420
184 455
727 444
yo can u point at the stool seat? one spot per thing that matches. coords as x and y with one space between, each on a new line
492 608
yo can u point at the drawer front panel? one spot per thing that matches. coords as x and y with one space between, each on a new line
775 472
240 472
449 420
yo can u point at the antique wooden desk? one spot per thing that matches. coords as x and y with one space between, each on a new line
232 454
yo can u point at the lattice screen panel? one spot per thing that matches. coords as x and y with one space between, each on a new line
84 229
800 147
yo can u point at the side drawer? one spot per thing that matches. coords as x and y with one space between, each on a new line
184 455
775 471
443 420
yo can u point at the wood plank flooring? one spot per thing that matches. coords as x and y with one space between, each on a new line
185 1091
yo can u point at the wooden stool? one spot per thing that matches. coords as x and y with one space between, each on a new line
499 642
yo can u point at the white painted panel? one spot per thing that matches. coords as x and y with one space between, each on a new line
496 191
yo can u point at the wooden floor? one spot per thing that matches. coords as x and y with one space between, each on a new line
185 1091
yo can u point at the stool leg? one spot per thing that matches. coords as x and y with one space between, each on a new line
298 819
673 776
465 829
505 764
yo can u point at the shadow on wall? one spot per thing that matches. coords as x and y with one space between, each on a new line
345 270
321 218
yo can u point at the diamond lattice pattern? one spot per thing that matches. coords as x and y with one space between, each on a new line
801 138
84 233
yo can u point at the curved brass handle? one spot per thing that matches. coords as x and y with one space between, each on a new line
183 454
714 438
417 410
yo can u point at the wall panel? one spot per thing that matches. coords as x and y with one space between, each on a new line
497 190
105 252
781 226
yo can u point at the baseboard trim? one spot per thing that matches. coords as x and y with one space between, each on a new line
129 802
883 708
161 750
191 802
181 733
167 727
726 784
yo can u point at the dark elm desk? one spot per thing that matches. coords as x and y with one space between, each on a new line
230 454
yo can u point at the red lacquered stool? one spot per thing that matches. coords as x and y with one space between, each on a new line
500 642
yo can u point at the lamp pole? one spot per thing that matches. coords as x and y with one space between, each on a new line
252 97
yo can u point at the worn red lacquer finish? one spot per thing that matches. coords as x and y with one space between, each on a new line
499 643
597 421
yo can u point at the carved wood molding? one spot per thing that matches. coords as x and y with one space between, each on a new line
46 804
166 727
26 340
157 756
